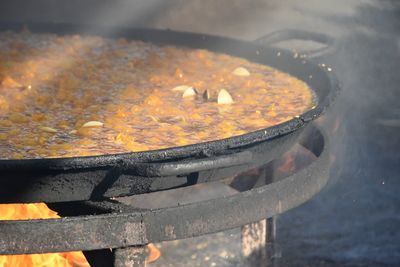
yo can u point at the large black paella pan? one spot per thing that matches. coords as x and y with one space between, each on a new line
96 177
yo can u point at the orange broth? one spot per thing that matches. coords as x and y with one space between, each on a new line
65 96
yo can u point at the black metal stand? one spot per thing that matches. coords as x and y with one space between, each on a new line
258 244
127 228
254 239
258 238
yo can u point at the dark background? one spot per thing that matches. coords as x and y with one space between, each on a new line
355 220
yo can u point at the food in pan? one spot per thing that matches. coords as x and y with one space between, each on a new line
66 96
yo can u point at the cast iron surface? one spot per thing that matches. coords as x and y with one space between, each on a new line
100 183
82 178
126 226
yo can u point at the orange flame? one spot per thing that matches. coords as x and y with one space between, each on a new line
37 211
154 253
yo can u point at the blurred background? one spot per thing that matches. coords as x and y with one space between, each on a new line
355 220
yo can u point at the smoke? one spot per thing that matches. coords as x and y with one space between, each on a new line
124 13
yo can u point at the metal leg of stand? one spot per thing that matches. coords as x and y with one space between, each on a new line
257 243
254 239
130 257
272 248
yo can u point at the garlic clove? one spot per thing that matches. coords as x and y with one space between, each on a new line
91 124
180 88
224 97
189 92
48 129
240 71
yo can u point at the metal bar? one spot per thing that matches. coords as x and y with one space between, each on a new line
258 244
271 248
254 236
192 165
72 233
130 257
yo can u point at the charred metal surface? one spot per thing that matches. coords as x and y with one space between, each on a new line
76 233
179 196
122 229
234 158
67 209
130 257
102 183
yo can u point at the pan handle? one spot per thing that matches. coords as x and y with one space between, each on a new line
187 166
295 34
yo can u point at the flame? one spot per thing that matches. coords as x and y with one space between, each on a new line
37 211
154 253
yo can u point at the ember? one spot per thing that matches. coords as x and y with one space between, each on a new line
37 211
